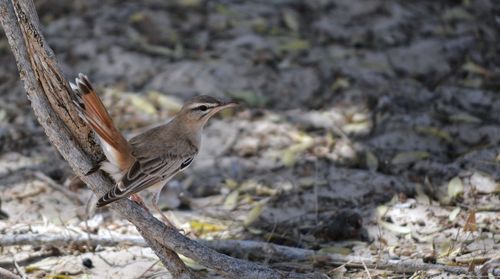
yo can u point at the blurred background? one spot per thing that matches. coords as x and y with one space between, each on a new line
368 128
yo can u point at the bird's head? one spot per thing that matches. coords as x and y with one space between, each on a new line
198 110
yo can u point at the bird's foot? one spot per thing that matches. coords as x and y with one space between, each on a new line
167 221
137 199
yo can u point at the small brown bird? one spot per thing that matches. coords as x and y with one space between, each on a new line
152 158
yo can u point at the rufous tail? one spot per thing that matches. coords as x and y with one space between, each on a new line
93 112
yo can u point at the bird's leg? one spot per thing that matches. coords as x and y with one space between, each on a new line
156 197
137 198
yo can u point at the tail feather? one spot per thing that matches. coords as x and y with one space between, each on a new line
112 195
94 113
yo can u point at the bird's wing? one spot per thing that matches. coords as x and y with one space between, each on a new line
147 171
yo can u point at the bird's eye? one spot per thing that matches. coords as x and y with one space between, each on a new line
202 108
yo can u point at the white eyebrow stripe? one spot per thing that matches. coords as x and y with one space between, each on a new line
195 105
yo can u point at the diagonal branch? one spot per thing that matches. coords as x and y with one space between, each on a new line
48 91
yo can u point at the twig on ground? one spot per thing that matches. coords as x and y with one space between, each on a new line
19 270
245 248
67 239
33 257
147 269
26 195
366 269
56 186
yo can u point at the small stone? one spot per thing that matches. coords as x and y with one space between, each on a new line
88 263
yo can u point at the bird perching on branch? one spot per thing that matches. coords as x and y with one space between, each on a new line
150 159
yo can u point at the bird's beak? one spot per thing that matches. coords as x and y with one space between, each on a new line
225 105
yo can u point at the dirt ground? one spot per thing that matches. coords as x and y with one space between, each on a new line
369 128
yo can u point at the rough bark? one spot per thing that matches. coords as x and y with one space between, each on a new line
47 90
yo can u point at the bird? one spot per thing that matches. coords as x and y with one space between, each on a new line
152 158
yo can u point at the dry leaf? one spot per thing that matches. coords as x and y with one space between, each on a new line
474 68
295 45
191 263
290 19
142 104
454 213
231 183
290 155
395 228
421 196
435 132
470 223
254 214
455 187
465 118
371 161
409 157
200 227
231 200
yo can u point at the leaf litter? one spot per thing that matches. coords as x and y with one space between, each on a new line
347 114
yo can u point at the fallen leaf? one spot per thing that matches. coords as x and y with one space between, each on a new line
340 83
289 156
464 118
470 223
142 104
421 196
455 187
295 45
409 157
191 263
371 161
395 228
474 68
231 200
457 13
290 19
448 249
200 227
435 132
454 213
231 183
361 127
260 25
254 214
310 181
382 210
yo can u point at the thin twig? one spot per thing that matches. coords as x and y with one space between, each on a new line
245 248
71 238
19 270
366 269
56 186
147 269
